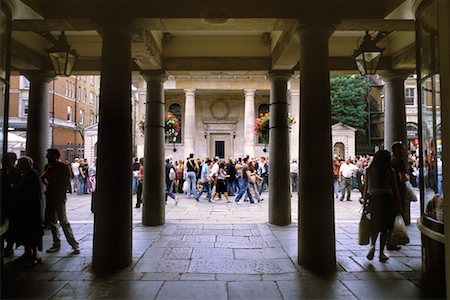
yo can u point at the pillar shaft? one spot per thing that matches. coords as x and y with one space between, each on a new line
394 112
316 204
38 116
189 122
112 223
249 122
279 197
153 188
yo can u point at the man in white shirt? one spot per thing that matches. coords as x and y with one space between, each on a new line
345 175
76 172
293 174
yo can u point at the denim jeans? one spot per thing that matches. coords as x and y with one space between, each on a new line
231 186
206 188
169 189
135 183
336 188
80 189
191 179
439 185
255 189
244 188
264 183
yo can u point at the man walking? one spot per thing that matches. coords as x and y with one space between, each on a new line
56 178
346 173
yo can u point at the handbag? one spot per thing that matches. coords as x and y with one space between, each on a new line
172 174
399 234
410 195
364 230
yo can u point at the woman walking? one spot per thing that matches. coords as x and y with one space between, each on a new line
382 200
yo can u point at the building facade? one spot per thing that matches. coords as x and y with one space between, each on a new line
73 106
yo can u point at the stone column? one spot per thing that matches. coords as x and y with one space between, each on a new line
189 122
279 197
38 117
112 205
153 188
394 108
316 232
249 122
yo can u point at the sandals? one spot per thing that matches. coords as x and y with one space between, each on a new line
383 257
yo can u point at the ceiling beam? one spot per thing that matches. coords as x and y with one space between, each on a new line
217 63
375 25
24 58
302 9
145 52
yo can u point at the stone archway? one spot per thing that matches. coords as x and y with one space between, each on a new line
339 150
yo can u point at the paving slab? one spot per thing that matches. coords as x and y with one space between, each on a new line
384 289
314 289
263 290
201 290
135 290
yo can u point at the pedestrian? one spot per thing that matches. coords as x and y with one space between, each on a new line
29 224
92 177
135 178
80 187
205 177
246 177
263 171
336 167
232 176
170 178
221 185
382 200
192 169
293 175
56 178
140 180
75 172
346 172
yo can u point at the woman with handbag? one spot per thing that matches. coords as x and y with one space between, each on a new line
382 200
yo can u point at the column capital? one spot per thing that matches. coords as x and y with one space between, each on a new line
294 92
189 92
249 92
315 29
395 75
119 27
284 75
158 76
39 76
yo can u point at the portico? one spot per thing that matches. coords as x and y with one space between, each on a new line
179 41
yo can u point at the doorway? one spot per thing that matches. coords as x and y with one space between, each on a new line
219 149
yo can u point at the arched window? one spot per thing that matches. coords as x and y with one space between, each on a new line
262 109
176 110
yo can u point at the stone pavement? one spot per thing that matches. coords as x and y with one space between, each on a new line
219 251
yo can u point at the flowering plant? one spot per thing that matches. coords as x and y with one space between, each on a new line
172 127
262 126
141 126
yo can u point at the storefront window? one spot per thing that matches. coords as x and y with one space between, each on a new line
430 116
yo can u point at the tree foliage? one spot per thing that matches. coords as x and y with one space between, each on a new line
348 101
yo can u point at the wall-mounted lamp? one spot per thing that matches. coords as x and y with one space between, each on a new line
368 54
205 134
62 56
234 134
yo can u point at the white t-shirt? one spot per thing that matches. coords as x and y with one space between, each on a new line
293 168
347 170
214 169
76 169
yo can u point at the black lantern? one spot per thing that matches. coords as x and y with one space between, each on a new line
62 57
367 56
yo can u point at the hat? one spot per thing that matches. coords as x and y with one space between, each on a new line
397 144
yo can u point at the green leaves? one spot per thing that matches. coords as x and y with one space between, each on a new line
348 101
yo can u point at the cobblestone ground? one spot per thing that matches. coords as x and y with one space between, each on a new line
219 251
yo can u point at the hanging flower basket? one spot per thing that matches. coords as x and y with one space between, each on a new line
171 127
262 126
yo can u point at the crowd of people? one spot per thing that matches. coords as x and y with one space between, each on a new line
83 176
244 177
23 192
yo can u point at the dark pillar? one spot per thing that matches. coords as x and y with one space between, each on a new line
112 224
38 117
316 239
153 189
394 111
279 197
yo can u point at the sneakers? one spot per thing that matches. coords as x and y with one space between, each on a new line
53 249
76 251
176 200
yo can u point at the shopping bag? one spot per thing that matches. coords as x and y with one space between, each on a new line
364 230
410 195
399 235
